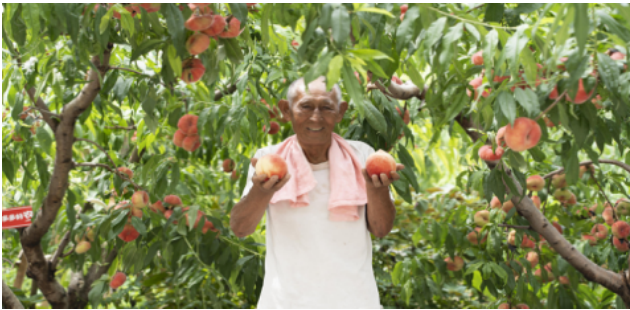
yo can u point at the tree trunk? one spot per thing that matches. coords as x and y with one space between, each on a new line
8 298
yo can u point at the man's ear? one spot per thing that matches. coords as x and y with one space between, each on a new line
285 109
343 107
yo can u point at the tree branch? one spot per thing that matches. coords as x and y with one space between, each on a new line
9 299
31 237
43 109
58 253
551 106
589 162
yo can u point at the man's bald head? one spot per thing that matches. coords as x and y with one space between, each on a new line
319 84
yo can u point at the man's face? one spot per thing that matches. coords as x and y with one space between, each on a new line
314 114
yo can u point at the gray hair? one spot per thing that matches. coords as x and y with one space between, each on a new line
298 86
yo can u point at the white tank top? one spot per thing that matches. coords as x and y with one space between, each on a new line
313 262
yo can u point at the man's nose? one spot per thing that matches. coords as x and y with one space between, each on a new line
317 114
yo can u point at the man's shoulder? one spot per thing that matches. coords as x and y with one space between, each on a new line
360 146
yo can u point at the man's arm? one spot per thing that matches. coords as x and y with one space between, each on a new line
248 212
381 212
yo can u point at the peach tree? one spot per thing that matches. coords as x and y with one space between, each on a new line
129 127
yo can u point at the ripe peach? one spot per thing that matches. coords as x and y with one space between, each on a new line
379 163
199 22
405 118
621 244
403 8
511 239
197 43
581 96
126 171
557 226
476 83
608 215
477 58
234 175
536 201
396 80
199 216
233 30
188 124
621 229
17 137
527 243
572 200
482 218
455 264
228 165
178 138
495 203
559 181
90 234
591 240
535 183
173 200
524 135
192 70
500 138
538 274
562 195
599 231
486 153
296 44
616 55
191 143
82 247
507 206
564 280
157 207
532 258
129 233
140 199
271 165
474 236
504 306
136 212
217 26
274 128
117 280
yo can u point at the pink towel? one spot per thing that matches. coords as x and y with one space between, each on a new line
347 185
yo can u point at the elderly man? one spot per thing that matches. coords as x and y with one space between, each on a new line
319 250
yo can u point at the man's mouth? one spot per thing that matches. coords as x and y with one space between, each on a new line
316 129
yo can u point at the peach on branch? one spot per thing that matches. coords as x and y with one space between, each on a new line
557 226
274 128
233 30
535 183
178 138
477 58
117 280
126 171
173 200
608 215
599 231
380 162
234 175
188 124
507 206
405 117
532 258
271 165
621 244
559 181
621 229
403 8
82 247
397 80
90 234
504 306
474 236
208 226
140 199
217 26
527 243
199 22
197 43
191 143
572 200
129 233
622 206
199 216
554 93
158 207
524 135
482 218
591 240
581 96
564 280
151 7
192 70
455 264
486 153
511 239
228 165
495 203
476 83
562 195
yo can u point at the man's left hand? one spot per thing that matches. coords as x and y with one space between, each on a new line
376 181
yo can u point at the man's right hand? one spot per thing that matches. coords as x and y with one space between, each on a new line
270 186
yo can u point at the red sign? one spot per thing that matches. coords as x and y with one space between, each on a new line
17 217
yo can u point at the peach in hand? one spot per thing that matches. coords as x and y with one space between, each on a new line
271 165
380 162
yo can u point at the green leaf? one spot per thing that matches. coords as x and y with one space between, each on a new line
581 24
174 61
8 169
144 48
374 117
505 100
494 12
175 25
334 71
31 14
340 25
233 50
614 27
528 100
369 54
375 10
18 27
121 88
139 225
102 27
396 273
